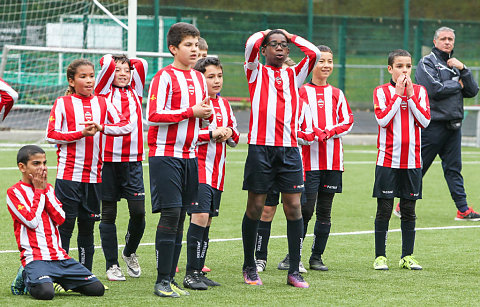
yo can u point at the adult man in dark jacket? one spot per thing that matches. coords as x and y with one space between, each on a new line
447 81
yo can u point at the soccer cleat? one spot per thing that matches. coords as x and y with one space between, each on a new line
250 276
397 211
301 268
114 273
317 265
207 280
285 263
176 288
58 288
380 263
133 268
409 262
176 270
468 215
164 289
261 265
206 269
18 285
192 281
295 279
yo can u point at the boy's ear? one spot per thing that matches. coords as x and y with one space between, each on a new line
262 50
22 167
390 68
173 49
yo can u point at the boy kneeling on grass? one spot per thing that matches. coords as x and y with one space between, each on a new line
401 110
36 214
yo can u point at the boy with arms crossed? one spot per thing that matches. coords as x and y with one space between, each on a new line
36 214
177 101
121 81
401 110
273 154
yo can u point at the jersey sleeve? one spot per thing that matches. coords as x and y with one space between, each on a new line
159 93
420 107
305 133
54 134
54 207
116 123
139 75
252 53
232 124
344 117
385 109
106 75
306 65
8 96
23 212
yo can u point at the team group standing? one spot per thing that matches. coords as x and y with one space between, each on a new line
295 148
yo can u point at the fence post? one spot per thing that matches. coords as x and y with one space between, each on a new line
418 41
85 23
310 20
156 31
406 22
342 37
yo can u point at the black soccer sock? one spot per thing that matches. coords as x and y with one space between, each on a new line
295 240
164 249
408 237
194 246
263 236
249 233
176 253
85 244
136 226
321 232
206 240
108 235
381 230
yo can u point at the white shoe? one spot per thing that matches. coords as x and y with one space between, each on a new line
114 273
261 265
133 268
301 268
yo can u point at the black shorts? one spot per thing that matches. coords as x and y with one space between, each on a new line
323 181
122 180
208 201
173 182
79 199
401 183
69 273
269 165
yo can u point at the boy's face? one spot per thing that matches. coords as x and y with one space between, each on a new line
122 74
36 161
274 52
214 76
445 41
186 52
202 53
402 65
324 66
83 80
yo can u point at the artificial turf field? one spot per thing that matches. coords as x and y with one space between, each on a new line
447 249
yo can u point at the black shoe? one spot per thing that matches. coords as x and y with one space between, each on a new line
285 263
192 281
164 289
317 264
208 281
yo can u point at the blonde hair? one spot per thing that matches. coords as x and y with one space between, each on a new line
72 70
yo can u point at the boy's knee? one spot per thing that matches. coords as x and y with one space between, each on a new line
407 207
268 213
43 291
170 220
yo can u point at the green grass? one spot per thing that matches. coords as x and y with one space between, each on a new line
449 257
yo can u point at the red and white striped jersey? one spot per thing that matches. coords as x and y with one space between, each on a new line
128 101
173 130
212 155
79 157
36 216
8 97
274 93
399 126
330 110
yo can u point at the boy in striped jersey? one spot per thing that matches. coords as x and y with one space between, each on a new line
323 159
273 154
401 110
121 81
211 153
8 97
177 101
36 214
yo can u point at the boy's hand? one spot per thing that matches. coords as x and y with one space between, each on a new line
400 86
226 135
39 178
287 35
202 109
409 85
266 32
90 128
461 82
322 135
453 62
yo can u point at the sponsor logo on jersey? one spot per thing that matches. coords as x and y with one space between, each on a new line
90 277
320 103
414 194
194 204
334 187
20 207
219 117
138 194
403 105
88 116
387 192
153 97
52 118
298 186
278 79
191 89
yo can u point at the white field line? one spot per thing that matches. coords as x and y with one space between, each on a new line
351 233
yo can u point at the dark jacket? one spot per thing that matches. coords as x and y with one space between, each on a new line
444 91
